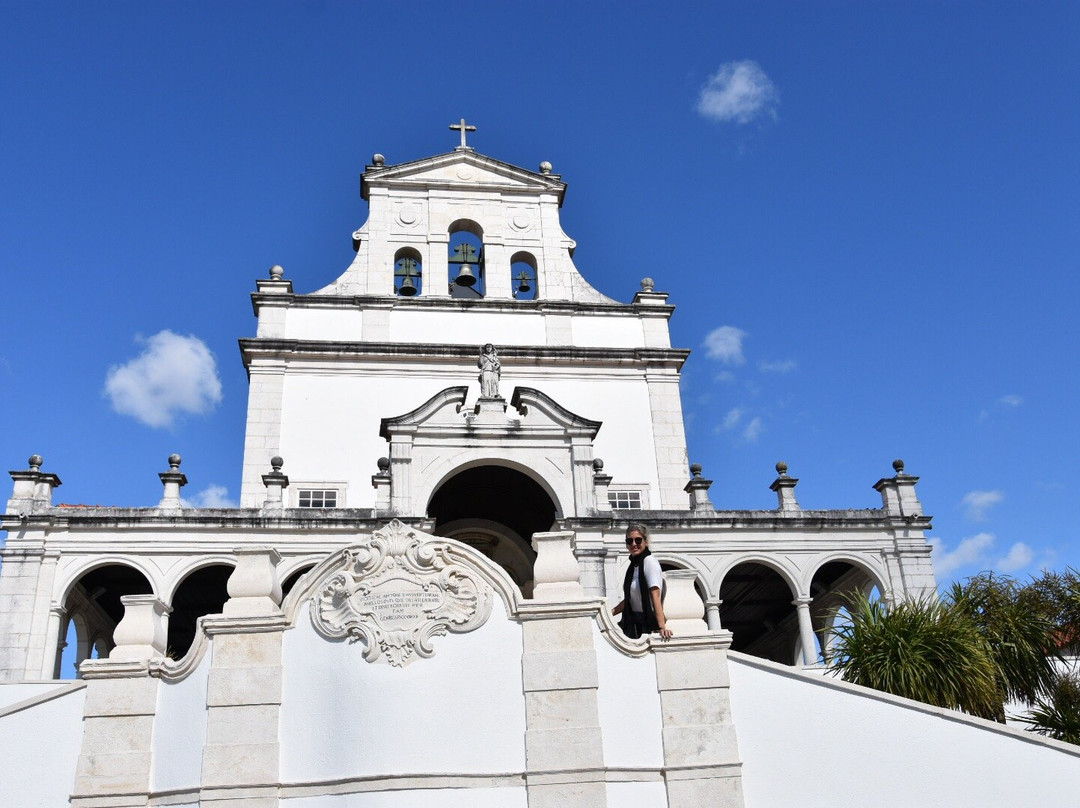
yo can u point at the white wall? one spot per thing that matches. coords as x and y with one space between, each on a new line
180 731
815 742
425 798
41 748
461 711
629 708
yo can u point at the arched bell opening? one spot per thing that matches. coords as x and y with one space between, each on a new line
833 586
496 510
523 276
93 608
408 272
202 592
466 260
756 606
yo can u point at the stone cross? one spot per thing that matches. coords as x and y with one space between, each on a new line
463 128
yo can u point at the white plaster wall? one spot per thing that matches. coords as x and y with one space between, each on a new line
607 332
425 798
813 742
637 795
14 692
339 324
465 327
41 749
180 731
461 711
629 706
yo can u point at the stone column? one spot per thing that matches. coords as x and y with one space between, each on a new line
22 567
701 755
50 663
400 464
241 754
115 763
564 749
806 631
712 614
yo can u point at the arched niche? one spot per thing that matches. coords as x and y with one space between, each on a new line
832 587
495 509
201 592
466 252
408 272
756 606
524 276
92 605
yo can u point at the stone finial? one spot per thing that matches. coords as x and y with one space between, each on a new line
784 487
142 633
254 587
601 483
173 480
277 272
378 160
898 495
683 607
33 489
647 284
698 489
556 572
598 465
275 483
545 167
381 482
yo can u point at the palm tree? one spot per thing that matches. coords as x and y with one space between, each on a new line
919 649
1057 715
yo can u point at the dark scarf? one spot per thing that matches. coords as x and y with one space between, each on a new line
627 622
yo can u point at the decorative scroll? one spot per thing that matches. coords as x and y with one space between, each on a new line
397 593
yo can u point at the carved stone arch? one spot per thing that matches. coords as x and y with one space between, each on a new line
672 561
443 471
80 568
182 570
292 569
198 588
789 573
876 572
758 606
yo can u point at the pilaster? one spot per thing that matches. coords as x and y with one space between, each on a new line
669 437
266 385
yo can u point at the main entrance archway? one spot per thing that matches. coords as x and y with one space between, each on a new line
496 510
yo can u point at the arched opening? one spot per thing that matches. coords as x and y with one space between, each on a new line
288 584
523 276
93 608
202 592
757 608
466 259
831 589
667 566
408 272
496 510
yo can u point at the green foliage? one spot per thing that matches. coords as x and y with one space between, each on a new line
1021 635
923 650
1057 715
1057 595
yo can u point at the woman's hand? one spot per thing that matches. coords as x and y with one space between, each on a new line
665 633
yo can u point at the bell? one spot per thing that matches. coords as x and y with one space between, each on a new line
523 284
465 276
408 288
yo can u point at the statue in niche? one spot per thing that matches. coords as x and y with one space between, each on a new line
490 370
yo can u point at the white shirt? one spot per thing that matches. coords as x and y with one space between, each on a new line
654 577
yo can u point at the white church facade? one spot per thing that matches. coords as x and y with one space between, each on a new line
411 606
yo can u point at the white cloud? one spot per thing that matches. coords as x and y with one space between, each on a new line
738 92
1018 557
724 344
780 366
732 418
724 377
213 496
174 374
977 503
1010 401
970 551
752 430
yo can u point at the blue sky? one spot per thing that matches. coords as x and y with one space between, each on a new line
865 213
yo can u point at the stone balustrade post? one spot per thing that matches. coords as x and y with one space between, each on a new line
33 489
382 482
683 607
601 483
898 495
173 480
254 588
275 483
698 489
784 487
142 633
556 572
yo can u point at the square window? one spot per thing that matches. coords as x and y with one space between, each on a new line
625 500
317 498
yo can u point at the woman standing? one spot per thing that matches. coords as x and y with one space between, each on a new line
642 615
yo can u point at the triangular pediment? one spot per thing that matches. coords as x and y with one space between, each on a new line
461 169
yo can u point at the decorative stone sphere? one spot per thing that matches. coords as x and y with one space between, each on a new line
647 284
695 469
276 463
174 461
898 466
277 272
378 160
35 461
545 167
781 468
598 465
384 463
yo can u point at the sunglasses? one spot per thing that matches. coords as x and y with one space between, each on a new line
635 542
